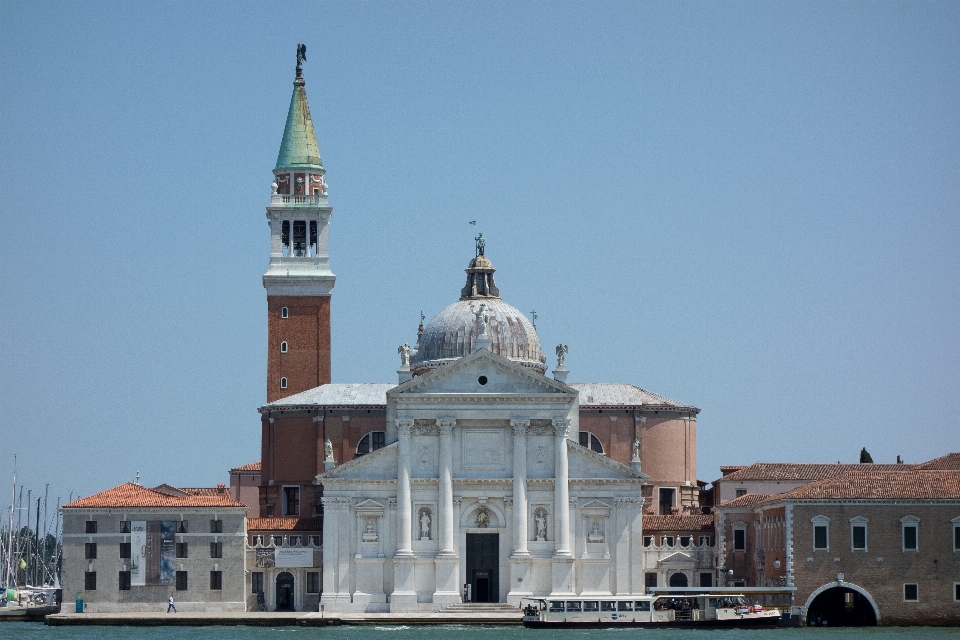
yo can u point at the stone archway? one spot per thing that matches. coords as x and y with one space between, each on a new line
841 604
679 580
285 591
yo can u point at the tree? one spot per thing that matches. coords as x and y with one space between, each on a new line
865 456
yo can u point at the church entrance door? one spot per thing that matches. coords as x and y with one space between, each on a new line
483 562
285 591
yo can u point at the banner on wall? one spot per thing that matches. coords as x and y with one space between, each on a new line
138 553
168 552
289 557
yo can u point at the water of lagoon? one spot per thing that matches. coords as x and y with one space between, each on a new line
37 631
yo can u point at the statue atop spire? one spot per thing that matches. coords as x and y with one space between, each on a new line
301 57
481 243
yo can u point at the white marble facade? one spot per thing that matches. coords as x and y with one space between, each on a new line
481 446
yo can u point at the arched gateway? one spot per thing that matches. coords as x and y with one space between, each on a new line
841 604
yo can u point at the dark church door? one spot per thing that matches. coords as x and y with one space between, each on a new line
483 560
285 591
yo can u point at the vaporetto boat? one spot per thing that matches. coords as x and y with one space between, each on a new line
699 610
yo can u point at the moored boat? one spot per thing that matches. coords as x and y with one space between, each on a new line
700 610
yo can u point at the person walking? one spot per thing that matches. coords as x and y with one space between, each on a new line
171 606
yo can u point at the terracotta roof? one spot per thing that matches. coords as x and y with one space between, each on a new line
253 466
876 484
284 524
730 468
134 495
802 471
748 501
678 523
951 461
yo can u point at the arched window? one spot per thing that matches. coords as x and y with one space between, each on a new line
284 313
283 347
371 442
283 383
590 441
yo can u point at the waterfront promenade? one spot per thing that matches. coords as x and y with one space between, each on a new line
279 619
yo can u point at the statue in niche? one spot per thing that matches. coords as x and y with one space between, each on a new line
562 351
369 534
483 518
425 524
636 448
328 449
540 518
595 533
404 351
482 320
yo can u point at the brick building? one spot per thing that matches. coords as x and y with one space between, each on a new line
864 546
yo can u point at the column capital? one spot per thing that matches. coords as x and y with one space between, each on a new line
446 425
561 427
508 500
519 426
405 427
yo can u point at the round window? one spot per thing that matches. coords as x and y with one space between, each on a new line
482 380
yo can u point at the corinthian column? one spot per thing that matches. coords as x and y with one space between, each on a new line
404 507
561 497
446 487
520 485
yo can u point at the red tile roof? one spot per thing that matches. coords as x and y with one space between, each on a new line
747 501
678 523
873 484
284 524
802 471
951 461
134 495
253 466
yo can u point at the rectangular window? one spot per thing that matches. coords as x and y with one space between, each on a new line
956 537
182 526
90 550
124 526
739 539
910 537
313 582
216 526
216 580
90 581
859 534
911 592
291 501
706 579
315 541
820 537
956 591
216 549
706 541
684 541
181 580
181 550
124 580
650 579
667 501
667 540
741 492
91 526
124 549
294 541
278 541
647 541
256 582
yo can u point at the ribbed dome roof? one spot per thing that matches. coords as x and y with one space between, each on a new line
452 334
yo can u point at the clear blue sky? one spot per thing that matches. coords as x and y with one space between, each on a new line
751 207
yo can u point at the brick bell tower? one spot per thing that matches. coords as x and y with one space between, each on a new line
299 281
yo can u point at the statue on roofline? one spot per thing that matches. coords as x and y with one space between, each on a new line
301 55
481 243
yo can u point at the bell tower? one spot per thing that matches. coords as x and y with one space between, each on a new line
299 281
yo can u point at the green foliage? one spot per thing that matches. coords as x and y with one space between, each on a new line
865 457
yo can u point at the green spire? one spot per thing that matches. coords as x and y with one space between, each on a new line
299 150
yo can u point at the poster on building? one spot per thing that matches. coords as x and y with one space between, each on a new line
265 558
138 552
287 557
168 552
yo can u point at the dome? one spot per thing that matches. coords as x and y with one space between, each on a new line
452 334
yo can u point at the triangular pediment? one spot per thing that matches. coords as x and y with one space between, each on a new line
483 372
379 465
370 505
596 504
585 463
675 559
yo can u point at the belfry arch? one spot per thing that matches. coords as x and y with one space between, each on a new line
841 604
